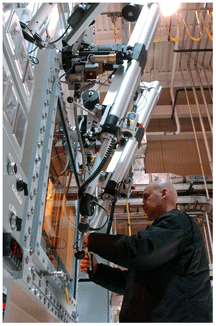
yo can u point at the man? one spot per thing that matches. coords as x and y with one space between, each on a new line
167 276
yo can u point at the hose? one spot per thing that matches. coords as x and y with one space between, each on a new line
99 168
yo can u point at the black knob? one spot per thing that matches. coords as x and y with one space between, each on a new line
70 99
18 223
79 254
22 186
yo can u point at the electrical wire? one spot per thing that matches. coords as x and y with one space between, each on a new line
101 227
33 50
58 39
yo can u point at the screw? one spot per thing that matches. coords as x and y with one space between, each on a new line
25 237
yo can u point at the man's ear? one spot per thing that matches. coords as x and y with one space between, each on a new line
164 193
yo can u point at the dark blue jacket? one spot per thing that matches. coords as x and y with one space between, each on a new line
167 276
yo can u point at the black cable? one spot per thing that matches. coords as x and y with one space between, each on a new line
33 60
101 227
111 215
98 169
60 36
33 49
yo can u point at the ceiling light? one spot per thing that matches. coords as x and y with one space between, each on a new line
169 8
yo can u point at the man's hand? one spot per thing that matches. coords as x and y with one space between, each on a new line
86 263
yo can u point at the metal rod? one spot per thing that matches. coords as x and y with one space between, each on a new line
182 90
204 98
133 73
201 120
195 136
210 88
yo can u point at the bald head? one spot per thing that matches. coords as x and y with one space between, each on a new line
171 191
159 197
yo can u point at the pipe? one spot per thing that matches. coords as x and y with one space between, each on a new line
180 90
40 16
133 73
195 136
210 89
201 120
178 130
204 98
193 50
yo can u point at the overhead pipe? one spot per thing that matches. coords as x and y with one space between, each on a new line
204 98
195 137
181 90
210 89
201 120
178 128
193 50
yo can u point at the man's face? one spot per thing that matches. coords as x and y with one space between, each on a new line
152 201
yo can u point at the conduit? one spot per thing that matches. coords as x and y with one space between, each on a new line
195 136
201 120
204 98
210 91
178 130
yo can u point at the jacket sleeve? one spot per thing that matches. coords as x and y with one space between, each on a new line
151 248
113 279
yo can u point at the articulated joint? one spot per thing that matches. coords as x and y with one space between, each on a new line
87 204
110 189
110 124
140 54
139 135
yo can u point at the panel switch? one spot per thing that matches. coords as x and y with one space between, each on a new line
22 186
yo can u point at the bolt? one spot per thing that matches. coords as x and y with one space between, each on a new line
32 210
28 279
26 259
29 230
31 251
25 237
